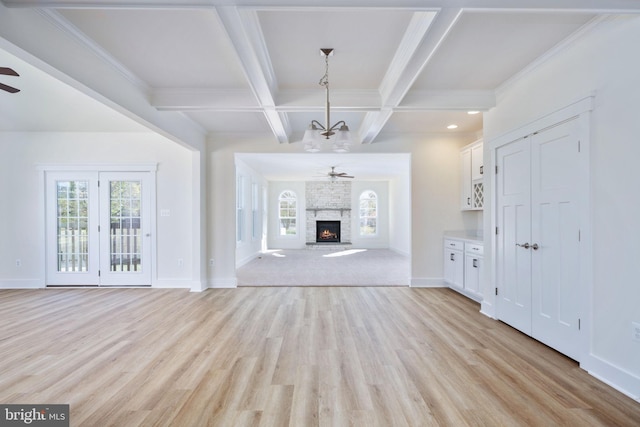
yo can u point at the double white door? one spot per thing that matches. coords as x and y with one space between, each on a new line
98 228
538 241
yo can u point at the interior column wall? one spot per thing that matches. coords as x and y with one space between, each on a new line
591 66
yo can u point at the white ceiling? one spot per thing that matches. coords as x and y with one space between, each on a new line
400 66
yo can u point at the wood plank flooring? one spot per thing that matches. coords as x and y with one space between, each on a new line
306 356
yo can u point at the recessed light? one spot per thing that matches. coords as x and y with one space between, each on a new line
473 112
452 127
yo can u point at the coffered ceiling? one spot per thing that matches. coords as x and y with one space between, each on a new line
220 67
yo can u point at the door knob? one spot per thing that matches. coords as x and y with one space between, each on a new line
535 246
524 245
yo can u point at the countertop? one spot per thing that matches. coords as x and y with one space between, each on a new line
472 236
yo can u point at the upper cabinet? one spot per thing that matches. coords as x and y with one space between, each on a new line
471 173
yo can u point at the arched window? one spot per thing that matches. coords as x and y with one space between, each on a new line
368 213
288 213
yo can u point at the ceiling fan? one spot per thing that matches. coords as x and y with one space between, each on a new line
8 72
333 175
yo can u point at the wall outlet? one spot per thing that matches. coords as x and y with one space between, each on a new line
211 262
635 331
18 263
180 262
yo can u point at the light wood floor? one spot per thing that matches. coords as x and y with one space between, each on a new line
288 356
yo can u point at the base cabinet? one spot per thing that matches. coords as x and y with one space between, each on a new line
454 263
473 265
463 265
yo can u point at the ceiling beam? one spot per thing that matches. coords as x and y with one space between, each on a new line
38 38
421 40
368 101
243 29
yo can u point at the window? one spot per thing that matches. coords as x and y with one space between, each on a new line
240 209
255 226
368 213
287 214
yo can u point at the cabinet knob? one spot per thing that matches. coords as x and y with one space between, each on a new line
475 263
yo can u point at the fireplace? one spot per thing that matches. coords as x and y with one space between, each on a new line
327 231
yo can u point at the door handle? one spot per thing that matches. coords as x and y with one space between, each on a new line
475 263
525 245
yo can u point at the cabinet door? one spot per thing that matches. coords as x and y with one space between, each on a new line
477 162
465 177
454 267
472 273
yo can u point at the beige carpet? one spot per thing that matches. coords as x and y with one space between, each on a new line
318 267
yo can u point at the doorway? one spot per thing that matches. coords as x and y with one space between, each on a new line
98 228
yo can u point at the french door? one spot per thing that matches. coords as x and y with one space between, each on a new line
538 241
98 228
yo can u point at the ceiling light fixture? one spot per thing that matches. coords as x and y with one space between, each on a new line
472 112
317 132
452 127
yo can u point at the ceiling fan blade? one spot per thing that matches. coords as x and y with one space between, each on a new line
9 88
8 71
347 176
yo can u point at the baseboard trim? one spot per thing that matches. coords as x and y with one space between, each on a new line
623 381
21 284
427 282
172 283
223 283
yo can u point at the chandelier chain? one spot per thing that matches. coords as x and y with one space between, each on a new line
324 81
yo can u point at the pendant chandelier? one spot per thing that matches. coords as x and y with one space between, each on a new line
317 133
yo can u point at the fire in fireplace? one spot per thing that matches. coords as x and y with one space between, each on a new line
327 231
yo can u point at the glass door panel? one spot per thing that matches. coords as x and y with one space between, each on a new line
71 227
124 230
125 238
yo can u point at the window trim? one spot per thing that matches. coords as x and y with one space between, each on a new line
280 200
361 216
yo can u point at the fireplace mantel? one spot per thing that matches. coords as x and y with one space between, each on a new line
316 210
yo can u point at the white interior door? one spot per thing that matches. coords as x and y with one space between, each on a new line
555 228
125 243
513 258
98 228
538 241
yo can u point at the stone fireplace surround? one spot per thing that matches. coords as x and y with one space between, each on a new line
328 201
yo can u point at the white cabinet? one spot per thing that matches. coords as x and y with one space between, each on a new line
454 263
473 265
463 264
471 175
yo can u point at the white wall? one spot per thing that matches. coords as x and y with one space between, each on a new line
602 61
400 216
21 190
435 204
